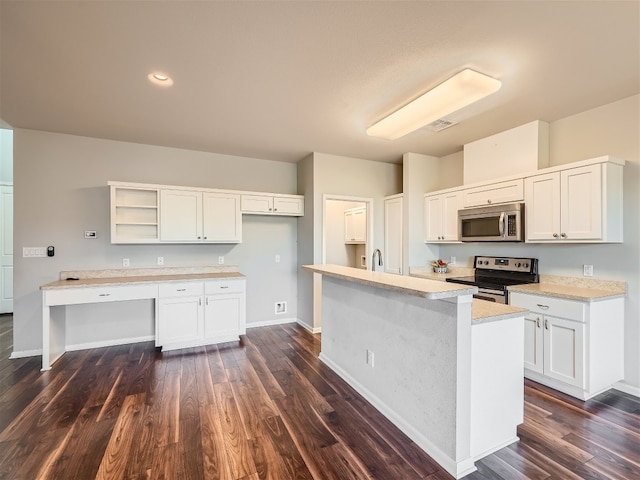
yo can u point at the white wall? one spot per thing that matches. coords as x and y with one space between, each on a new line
61 190
612 129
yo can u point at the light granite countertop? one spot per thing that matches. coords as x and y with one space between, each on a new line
569 292
483 311
120 277
430 289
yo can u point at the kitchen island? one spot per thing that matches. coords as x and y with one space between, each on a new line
444 368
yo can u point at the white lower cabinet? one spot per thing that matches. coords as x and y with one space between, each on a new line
199 313
572 346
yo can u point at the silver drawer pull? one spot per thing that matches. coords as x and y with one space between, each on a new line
181 290
104 294
546 324
224 286
538 322
543 307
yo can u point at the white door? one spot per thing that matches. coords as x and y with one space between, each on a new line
180 216
222 218
581 203
542 207
6 249
180 320
393 235
451 203
222 316
288 206
533 343
433 219
563 350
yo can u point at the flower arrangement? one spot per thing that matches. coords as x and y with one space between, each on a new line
439 266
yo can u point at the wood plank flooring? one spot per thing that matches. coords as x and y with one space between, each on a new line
264 408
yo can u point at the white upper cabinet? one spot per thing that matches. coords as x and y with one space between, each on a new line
393 234
355 225
441 217
193 216
134 214
268 204
582 204
502 192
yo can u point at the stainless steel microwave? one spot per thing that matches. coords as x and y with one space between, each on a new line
497 223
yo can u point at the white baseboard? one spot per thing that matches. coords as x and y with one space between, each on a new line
108 343
309 328
627 388
457 469
25 353
268 323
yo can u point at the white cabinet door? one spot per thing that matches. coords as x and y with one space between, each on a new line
222 219
6 249
393 235
581 203
355 225
542 207
288 206
180 216
564 350
533 343
501 192
256 204
433 219
451 203
222 318
441 217
180 321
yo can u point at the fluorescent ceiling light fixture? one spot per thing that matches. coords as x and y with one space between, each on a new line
459 91
160 79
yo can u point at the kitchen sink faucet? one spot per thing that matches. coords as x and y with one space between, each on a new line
373 259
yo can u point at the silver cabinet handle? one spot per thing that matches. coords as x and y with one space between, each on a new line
555 235
501 228
542 307
489 201
104 294
275 209
546 324
563 235
206 301
538 322
199 238
200 301
224 286
205 238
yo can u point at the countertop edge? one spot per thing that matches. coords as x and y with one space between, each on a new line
584 296
381 283
138 280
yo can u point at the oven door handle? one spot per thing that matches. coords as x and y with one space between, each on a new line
501 228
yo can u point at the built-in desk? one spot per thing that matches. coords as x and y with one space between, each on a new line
98 286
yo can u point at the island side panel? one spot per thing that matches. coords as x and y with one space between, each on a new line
414 377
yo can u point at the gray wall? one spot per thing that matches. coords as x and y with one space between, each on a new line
61 190
612 129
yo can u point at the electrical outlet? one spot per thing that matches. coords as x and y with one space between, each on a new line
452 260
277 258
34 252
370 358
220 260
125 262
281 307
160 260
587 270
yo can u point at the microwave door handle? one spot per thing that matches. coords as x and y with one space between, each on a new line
501 225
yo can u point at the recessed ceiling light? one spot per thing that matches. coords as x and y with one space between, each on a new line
160 79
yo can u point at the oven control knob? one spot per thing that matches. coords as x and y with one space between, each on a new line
518 264
526 265
486 262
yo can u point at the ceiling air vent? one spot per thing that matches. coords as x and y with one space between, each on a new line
439 125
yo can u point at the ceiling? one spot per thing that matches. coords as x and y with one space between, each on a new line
278 80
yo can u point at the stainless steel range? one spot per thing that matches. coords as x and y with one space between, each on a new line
494 274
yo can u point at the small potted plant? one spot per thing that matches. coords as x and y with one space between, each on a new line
439 266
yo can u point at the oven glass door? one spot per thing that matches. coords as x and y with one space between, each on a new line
491 295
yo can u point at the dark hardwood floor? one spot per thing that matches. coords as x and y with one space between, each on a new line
264 408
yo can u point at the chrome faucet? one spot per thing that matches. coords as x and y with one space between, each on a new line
373 259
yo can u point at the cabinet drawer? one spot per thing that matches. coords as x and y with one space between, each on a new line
224 286
503 192
180 289
556 307
72 296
